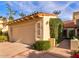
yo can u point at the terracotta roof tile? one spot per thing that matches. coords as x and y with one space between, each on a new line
69 24
46 14
39 14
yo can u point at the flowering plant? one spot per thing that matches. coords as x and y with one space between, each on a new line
75 54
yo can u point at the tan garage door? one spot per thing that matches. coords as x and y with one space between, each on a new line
25 33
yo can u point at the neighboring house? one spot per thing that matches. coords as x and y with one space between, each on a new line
71 27
30 29
3 24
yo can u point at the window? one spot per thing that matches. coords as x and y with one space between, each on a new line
38 30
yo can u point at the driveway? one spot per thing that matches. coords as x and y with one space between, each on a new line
18 50
8 49
51 53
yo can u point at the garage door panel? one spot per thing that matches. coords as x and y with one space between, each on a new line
25 33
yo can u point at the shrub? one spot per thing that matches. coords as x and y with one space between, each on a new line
6 34
58 41
75 54
71 34
41 45
3 38
77 37
0 31
56 27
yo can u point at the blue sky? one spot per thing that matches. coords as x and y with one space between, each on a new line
67 7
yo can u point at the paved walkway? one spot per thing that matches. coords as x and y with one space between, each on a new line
60 52
52 53
65 44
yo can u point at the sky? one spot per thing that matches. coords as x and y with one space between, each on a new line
28 7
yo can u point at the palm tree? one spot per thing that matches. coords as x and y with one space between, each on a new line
4 19
11 12
57 12
22 14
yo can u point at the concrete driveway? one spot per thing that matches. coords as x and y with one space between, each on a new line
18 50
8 49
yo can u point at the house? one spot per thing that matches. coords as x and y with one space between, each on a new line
71 27
31 28
3 24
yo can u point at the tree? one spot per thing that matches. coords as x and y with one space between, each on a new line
4 18
56 26
57 12
11 12
22 14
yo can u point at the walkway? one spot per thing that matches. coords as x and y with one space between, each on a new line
52 53
65 44
60 52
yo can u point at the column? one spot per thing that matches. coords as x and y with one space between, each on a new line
75 32
67 33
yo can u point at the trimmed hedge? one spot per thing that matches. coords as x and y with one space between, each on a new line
41 45
3 38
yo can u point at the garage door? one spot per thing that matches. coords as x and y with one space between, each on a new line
24 33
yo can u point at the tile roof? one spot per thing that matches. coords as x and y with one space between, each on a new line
69 24
29 17
45 14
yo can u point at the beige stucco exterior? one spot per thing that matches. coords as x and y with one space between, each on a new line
3 25
46 28
74 44
27 31
24 32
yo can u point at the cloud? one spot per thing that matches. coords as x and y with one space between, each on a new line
42 6
45 6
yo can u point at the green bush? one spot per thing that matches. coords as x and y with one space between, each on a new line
77 37
58 41
6 34
41 45
0 31
56 27
3 38
75 52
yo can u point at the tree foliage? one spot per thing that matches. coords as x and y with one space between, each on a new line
56 26
57 12
22 14
11 12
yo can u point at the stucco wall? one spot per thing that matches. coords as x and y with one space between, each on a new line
1 23
24 32
46 28
74 44
41 31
